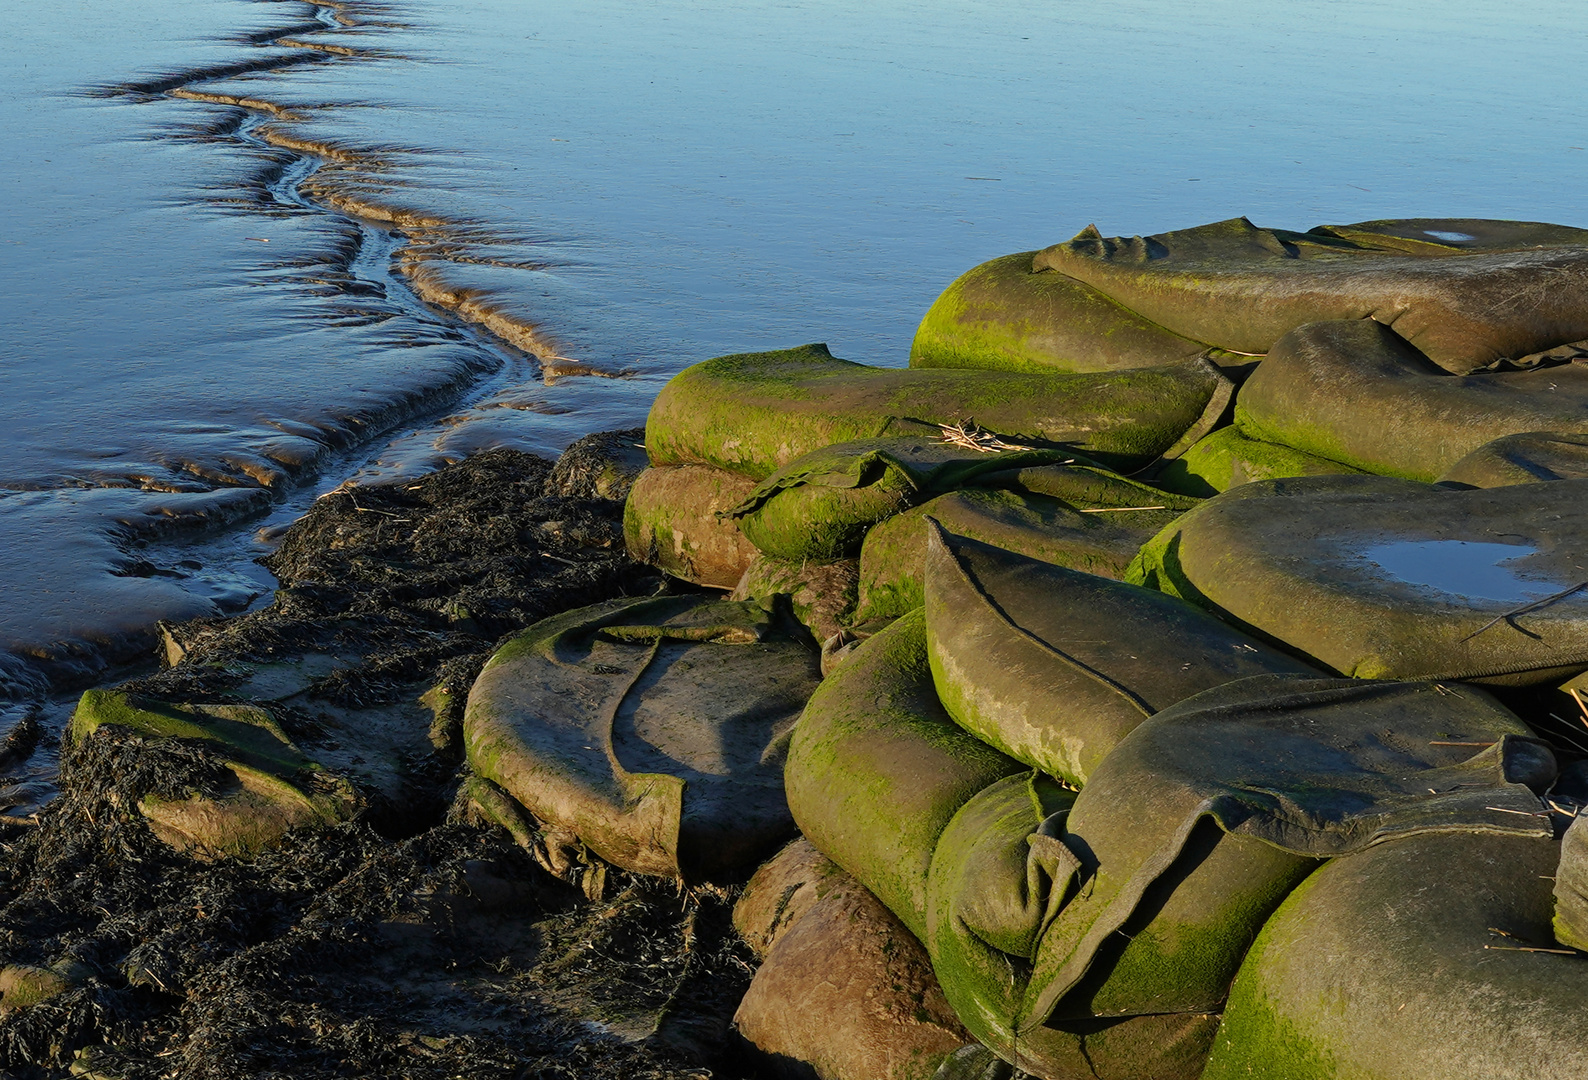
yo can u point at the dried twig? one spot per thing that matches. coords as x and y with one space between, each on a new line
1505 616
1119 509
967 434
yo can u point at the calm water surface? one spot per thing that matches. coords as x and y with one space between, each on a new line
194 347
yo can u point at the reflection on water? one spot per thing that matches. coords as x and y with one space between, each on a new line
1471 569
306 240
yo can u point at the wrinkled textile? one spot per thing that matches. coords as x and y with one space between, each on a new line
1383 578
1055 667
893 558
819 506
1315 767
1516 290
650 730
1357 393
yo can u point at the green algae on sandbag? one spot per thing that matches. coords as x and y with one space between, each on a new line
1382 578
1314 767
1570 921
1422 959
650 730
270 785
1084 483
1003 315
819 506
1528 458
845 992
1445 236
1229 458
1054 667
754 413
1000 877
876 768
893 558
1355 392
821 595
1242 288
674 519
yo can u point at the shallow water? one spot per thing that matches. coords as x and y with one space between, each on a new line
1470 569
196 346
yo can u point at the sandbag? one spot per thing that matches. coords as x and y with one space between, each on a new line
1528 458
1463 304
781 891
651 730
1383 578
265 785
846 993
821 595
819 506
1314 767
999 878
675 520
1003 315
1086 484
1357 393
1570 921
893 558
876 771
1411 961
1229 458
1055 667
876 768
754 413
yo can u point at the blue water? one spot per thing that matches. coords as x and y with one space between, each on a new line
637 186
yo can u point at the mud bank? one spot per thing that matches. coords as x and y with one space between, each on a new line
408 940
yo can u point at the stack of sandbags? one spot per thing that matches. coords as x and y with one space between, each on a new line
1391 347
793 459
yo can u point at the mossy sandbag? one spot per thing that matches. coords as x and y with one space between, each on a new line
650 730
819 506
1054 667
876 768
1422 959
1355 392
1521 289
1529 458
754 413
1004 315
893 558
267 785
1082 483
1000 877
845 992
1313 767
1570 921
1229 458
876 771
1384 578
821 595
675 520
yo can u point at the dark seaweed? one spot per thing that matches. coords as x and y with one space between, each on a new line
404 945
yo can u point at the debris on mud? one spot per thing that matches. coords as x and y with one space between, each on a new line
409 941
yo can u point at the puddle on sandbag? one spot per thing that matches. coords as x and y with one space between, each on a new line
1471 569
